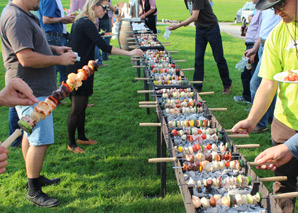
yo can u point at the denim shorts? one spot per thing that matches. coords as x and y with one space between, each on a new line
43 132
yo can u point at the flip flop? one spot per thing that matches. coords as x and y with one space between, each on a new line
75 150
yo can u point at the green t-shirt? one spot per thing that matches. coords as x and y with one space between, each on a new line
280 55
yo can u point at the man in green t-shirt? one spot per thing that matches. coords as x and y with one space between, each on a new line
280 54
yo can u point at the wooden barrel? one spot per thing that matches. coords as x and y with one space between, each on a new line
125 32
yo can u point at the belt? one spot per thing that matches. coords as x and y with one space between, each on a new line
56 34
263 41
249 43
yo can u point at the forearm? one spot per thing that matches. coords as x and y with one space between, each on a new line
117 51
51 20
37 60
149 12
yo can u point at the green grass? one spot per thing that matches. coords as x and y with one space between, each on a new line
114 176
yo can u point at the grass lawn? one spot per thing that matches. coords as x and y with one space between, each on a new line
114 176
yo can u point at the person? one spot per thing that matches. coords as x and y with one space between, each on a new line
52 20
149 14
269 21
27 55
207 30
105 24
211 3
251 37
76 5
83 39
279 155
280 54
14 93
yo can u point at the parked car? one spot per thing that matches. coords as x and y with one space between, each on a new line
243 13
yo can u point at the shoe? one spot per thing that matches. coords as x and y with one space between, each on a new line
42 199
47 182
240 99
259 129
227 90
75 150
89 142
90 105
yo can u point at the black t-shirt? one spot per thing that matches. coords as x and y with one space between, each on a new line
206 16
83 38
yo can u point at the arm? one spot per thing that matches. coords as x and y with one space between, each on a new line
194 16
3 156
117 51
54 20
262 101
251 53
147 13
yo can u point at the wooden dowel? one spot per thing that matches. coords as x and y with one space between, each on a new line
188 69
131 42
138 66
218 109
206 93
239 136
245 146
133 47
161 160
147 102
285 195
145 91
136 59
195 82
276 178
150 124
147 106
12 138
230 130
173 51
142 79
130 39
167 44
180 60
259 164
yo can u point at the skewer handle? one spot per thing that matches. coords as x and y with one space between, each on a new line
142 79
285 195
239 136
167 44
138 66
136 59
277 178
133 47
131 42
195 82
12 138
173 51
147 102
188 69
130 39
180 60
247 146
145 91
218 109
150 124
259 164
147 106
206 93
161 160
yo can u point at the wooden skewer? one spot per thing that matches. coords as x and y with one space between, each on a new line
259 164
188 69
239 136
142 79
161 160
133 47
12 138
206 93
136 59
131 42
150 124
130 39
218 109
148 102
195 82
276 178
147 106
167 44
245 146
180 60
138 66
285 195
173 51
145 91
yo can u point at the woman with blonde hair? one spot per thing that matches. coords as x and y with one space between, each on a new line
83 38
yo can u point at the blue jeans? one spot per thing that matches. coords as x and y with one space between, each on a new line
212 35
254 85
105 25
13 125
59 41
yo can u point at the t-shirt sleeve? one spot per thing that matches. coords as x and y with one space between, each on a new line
271 64
20 35
292 144
93 34
198 5
152 4
49 9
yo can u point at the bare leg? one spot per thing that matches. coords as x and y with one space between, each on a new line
34 160
25 146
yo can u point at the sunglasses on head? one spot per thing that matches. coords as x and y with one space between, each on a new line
280 5
104 7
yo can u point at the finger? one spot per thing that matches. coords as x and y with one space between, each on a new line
2 170
23 88
3 164
3 150
3 157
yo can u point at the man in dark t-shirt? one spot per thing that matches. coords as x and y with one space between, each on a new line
207 30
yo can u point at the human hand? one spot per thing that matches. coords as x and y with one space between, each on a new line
143 17
3 156
68 58
17 92
252 58
137 52
243 127
173 26
278 155
62 49
250 52
68 19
